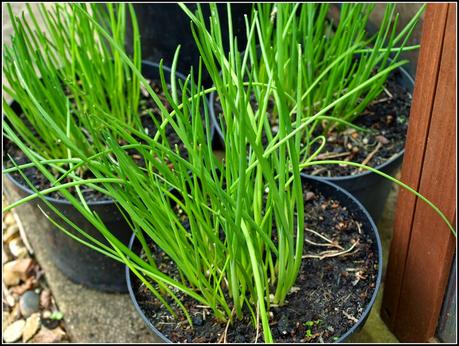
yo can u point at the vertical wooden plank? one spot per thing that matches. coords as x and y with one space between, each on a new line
432 244
423 246
424 91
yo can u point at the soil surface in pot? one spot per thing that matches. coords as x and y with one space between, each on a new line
327 299
146 105
386 117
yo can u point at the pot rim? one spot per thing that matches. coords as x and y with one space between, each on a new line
365 313
388 162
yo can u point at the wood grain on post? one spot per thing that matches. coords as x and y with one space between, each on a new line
422 247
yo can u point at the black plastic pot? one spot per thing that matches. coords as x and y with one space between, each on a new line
163 26
329 190
78 262
369 188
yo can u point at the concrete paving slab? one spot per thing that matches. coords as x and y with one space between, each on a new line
375 330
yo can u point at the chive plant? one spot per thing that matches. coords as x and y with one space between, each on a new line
65 76
285 25
234 229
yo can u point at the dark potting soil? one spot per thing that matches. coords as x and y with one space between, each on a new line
327 299
386 117
146 105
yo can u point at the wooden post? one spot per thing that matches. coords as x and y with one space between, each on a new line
422 247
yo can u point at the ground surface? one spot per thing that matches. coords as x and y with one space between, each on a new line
90 316
30 313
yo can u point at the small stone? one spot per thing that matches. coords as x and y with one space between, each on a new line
14 331
20 266
46 335
9 219
10 278
381 139
11 232
18 269
14 315
23 253
29 303
310 195
45 299
6 257
31 327
47 314
17 248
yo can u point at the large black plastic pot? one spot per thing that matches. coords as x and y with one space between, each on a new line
163 26
328 190
78 262
369 188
